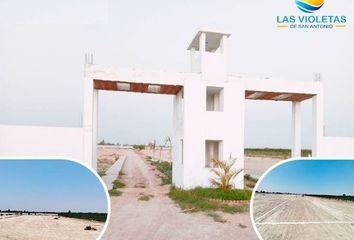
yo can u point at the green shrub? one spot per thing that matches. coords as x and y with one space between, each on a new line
215 193
139 147
199 199
166 169
118 184
114 193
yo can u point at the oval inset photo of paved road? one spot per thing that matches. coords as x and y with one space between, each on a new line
51 199
305 199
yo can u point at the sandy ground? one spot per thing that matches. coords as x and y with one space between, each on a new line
46 227
159 218
106 157
164 154
294 217
256 166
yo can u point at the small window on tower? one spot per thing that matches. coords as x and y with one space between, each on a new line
215 99
213 150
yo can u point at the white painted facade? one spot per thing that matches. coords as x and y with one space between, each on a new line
208 114
340 147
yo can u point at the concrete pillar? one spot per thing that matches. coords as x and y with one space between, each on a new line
192 53
202 42
177 141
296 130
89 121
223 44
94 129
317 124
202 47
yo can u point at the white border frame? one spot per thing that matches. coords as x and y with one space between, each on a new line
79 163
275 166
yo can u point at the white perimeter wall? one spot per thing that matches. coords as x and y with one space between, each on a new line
33 141
336 147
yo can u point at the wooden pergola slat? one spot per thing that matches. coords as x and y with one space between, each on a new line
135 87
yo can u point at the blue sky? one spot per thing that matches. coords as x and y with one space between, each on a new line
311 176
50 185
43 45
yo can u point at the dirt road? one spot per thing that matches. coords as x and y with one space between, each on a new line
159 218
47 228
255 166
297 217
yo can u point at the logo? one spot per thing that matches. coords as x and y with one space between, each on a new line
311 21
309 6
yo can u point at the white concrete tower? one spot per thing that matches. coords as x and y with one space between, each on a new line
208 51
208 115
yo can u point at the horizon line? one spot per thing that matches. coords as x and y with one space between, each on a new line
313 194
25 211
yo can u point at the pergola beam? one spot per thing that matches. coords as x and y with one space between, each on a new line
277 96
136 87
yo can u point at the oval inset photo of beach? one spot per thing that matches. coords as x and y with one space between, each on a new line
305 199
51 199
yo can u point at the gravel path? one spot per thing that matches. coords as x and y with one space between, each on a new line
159 218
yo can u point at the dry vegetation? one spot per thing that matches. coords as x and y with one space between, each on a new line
274 152
106 158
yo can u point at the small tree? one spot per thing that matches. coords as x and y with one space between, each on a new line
224 173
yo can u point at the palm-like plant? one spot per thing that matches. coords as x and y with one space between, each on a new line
224 173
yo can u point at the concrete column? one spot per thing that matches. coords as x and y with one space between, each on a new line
296 130
202 42
223 44
87 121
177 151
202 47
317 124
94 129
192 53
